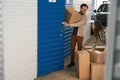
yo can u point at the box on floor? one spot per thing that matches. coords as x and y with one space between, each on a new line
97 71
83 64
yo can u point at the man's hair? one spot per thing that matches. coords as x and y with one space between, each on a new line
84 5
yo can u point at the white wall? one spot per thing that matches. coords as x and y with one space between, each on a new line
76 5
1 43
20 39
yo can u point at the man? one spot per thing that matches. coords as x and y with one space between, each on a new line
78 32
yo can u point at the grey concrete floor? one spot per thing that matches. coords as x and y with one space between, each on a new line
65 74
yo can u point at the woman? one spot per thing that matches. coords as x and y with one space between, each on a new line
97 29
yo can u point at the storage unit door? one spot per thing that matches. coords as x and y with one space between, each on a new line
50 40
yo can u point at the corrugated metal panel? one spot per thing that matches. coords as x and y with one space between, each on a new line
50 44
67 41
67 34
1 44
20 39
76 5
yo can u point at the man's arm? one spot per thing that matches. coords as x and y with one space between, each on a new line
81 22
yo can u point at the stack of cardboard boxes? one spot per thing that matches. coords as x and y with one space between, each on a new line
90 65
97 66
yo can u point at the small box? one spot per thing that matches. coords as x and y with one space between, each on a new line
96 56
71 15
83 65
97 71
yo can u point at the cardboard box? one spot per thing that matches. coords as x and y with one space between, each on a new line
83 64
97 71
71 15
96 56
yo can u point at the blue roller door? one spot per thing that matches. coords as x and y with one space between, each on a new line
50 44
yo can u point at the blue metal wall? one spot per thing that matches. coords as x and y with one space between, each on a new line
67 35
67 41
50 44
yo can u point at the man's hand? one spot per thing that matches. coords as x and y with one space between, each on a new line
65 24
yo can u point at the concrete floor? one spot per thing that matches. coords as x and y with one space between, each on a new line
67 73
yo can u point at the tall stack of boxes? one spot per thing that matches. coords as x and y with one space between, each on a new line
97 66
90 65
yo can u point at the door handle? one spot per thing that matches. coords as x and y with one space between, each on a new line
61 31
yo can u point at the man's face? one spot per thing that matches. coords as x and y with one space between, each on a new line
83 10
